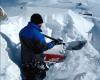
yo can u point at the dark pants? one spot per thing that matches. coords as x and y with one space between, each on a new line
32 73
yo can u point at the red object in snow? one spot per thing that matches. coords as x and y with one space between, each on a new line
53 57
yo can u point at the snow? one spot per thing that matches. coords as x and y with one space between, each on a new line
60 21
82 25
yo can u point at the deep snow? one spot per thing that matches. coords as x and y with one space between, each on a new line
59 22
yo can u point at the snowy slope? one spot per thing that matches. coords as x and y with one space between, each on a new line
94 32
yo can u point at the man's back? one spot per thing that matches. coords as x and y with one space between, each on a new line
30 37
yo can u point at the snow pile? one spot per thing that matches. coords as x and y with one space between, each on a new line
95 32
79 65
11 29
81 24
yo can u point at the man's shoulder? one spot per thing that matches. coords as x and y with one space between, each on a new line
24 30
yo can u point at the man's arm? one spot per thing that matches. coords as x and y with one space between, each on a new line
41 46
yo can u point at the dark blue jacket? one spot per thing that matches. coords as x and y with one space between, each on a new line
32 42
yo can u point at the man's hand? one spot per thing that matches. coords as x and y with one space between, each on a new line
58 41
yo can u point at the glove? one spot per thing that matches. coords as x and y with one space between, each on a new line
58 41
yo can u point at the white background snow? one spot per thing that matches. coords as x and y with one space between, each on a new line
64 19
